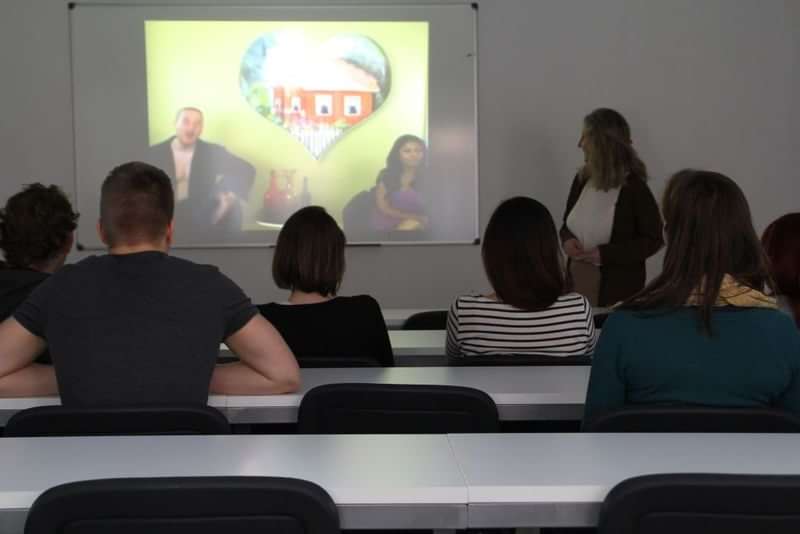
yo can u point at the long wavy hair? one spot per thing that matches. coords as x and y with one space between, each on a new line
610 156
392 173
781 242
709 233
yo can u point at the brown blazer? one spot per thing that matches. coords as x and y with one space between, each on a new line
636 234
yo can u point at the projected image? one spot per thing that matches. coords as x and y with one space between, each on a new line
255 119
316 91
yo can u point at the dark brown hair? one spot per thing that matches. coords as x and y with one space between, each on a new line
136 204
309 255
611 158
709 233
781 242
522 256
393 172
35 225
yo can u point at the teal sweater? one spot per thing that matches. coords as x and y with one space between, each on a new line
752 359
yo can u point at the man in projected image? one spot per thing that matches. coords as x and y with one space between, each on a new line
211 184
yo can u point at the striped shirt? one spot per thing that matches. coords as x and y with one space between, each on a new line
480 325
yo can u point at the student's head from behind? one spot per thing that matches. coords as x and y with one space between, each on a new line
136 207
188 125
709 233
408 153
37 228
309 254
781 242
522 255
608 150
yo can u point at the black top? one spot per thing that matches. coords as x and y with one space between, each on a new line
15 286
347 327
135 329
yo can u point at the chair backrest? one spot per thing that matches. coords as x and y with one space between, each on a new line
702 503
694 419
518 359
356 215
45 421
396 409
306 361
183 505
428 320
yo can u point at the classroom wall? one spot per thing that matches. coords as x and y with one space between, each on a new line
704 83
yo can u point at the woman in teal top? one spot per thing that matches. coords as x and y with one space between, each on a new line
702 332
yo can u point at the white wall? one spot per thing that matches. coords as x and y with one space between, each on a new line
704 83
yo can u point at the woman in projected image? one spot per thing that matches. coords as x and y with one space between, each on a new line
398 201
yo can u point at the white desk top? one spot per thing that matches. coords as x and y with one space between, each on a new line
521 393
395 317
397 481
520 480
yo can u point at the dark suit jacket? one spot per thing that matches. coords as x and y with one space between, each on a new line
636 234
214 170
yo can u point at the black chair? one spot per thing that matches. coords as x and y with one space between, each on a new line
702 503
307 362
429 320
184 505
150 420
517 359
694 419
396 409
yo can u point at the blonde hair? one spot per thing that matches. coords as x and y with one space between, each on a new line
610 156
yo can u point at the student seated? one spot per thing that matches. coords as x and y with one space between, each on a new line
37 228
309 262
531 310
781 242
702 332
137 326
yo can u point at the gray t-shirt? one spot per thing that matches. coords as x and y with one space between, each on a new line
135 329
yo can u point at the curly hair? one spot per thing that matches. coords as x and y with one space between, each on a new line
35 225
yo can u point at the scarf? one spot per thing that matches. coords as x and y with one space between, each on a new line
733 293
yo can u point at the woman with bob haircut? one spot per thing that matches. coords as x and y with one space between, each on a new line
701 333
315 322
611 223
781 242
530 310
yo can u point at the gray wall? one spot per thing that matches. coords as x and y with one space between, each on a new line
704 83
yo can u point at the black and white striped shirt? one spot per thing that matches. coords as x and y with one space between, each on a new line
480 325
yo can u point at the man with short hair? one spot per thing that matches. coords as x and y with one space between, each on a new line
137 326
210 183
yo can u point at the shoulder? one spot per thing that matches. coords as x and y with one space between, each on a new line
357 303
165 144
636 184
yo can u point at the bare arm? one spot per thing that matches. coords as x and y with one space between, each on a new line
382 200
19 376
267 365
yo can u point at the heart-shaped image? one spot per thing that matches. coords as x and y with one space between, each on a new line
315 90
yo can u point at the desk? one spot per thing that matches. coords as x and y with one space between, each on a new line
521 393
409 347
377 482
560 480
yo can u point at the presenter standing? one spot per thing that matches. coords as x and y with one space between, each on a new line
611 222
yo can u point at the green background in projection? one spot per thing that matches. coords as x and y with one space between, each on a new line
197 63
